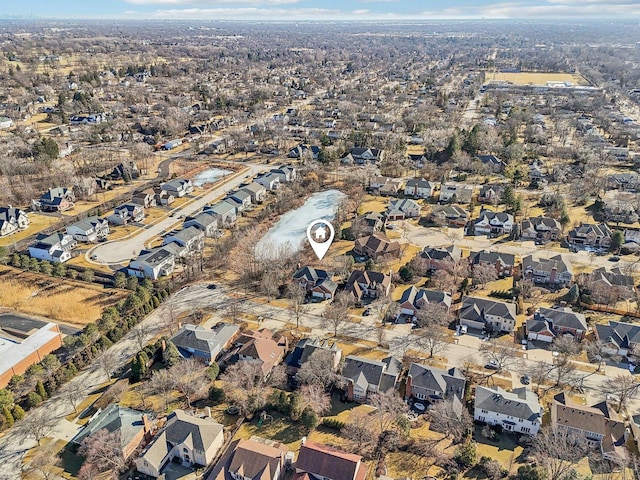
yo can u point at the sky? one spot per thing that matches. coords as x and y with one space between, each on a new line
320 9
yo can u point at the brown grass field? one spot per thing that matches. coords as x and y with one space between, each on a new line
535 78
62 300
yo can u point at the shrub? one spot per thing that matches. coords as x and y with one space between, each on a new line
216 395
33 400
332 423
465 455
309 418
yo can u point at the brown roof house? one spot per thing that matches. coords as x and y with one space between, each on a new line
261 346
365 284
599 424
316 282
253 459
548 323
321 462
184 438
376 246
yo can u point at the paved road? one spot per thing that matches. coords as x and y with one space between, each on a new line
121 251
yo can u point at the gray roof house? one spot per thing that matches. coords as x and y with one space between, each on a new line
54 248
268 180
152 263
435 384
12 220
516 411
190 237
414 298
364 376
401 209
419 188
547 323
203 343
178 187
485 314
554 270
493 223
503 262
191 440
225 213
258 192
133 426
126 213
619 338
203 221
242 198
89 230
455 193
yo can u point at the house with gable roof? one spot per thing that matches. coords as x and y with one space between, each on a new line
204 343
316 282
419 188
548 323
485 314
493 163
590 235
262 346
517 411
91 229
366 284
493 224
434 385
363 377
306 347
376 245
252 459
178 187
12 220
540 229
491 194
413 299
618 338
57 199
449 215
504 263
317 461
555 270
185 438
56 247
437 256
402 209
602 282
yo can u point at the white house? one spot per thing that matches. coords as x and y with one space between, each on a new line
12 220
516 411
126 213
270 181
224 212
258 192
419 188
457 193
55 248
242 198
178 187
401 209
485 314
89 230
192 440
190 237
152 264
5 122
493 224
203 221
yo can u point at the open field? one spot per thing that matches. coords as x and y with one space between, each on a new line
63 300
37 223
537 78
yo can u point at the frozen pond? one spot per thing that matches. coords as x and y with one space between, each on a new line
211 175
291 229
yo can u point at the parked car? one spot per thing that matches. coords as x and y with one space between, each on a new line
212 286
614 258
492 365
366 313
526 380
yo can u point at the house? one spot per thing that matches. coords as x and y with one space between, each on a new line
146 198
372 222
302 151
414 299
599 424
125 171
375 246
126 213
491 194
152 263
503 262
621 209
187 439
419 188
321 462
12 220
306 347
437 257
434 385
191 238
553 270
493 163
223 212
493 224
261 346
204 222
540 229
24 342
548 323
257 192
204 343
590 235
485 314
164 198
401 209
376 183
317 283
54 248
132 427
5 123
627 182
602 283
90 230
285 173
366 284
91 119
452 193
270 181
363 376
517 411
252 459
449 215
59 199
618 338
178 187
363 156
242 198
391 188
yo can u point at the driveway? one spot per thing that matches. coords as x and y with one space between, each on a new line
121 251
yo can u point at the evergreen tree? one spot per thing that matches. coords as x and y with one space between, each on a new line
17 412
8 416
170 356
40 390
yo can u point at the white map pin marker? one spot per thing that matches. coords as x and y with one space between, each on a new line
320 234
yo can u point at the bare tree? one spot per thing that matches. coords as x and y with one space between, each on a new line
170 319
162 383
104 450
457 269
73 394
319 369
107 361
432 339
248 386
566 346
358 430
140 333
44 463
625 387
443 280
503 356
483 274
388 408
451 419
297 297
38 424
433 314
316 398
335 316
189 378
558 451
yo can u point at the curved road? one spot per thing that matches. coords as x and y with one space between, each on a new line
120 251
